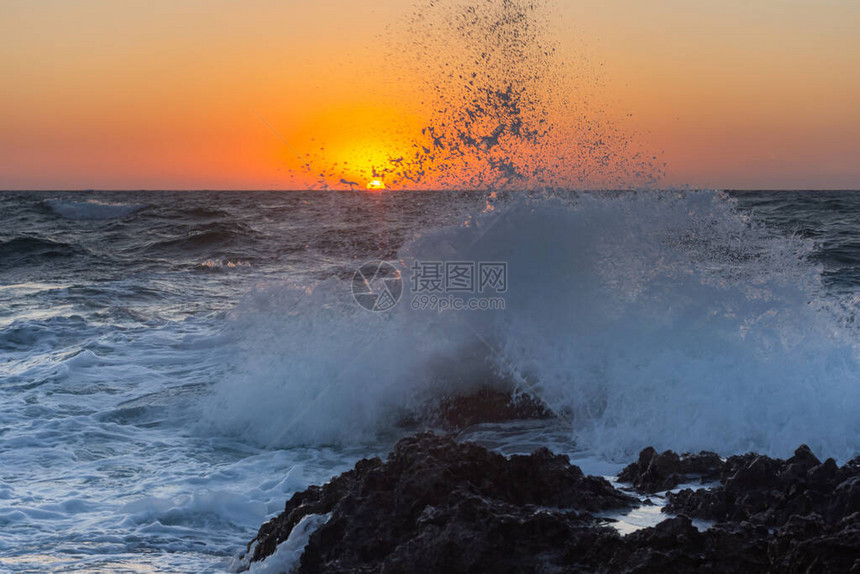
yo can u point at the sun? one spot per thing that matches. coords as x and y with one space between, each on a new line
375 184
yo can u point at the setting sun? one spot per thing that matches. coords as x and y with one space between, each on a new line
376 184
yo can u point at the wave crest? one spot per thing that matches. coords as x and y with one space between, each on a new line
665 319
91 209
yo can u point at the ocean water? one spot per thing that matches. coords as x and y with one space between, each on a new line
174 365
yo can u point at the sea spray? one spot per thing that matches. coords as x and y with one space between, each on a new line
141 394
502 106
659 318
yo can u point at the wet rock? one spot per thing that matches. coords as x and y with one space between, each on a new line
770 492
439 506
809 544
675 545
314 500
486 405
655 472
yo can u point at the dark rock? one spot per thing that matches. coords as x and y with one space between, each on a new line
804 457
809 544
770 492
439 506
675 545
656 472
486 405
823 474
314 500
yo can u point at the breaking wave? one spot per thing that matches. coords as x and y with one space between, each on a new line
660 318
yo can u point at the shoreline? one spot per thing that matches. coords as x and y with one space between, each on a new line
439 505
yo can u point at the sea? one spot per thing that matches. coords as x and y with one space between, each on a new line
174 365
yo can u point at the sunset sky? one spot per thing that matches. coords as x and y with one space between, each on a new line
157 94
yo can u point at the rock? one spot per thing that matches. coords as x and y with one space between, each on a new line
823 474
440 506
656 472
314 500
486 405
809 544
675 545
770 492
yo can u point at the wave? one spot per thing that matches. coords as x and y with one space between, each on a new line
666 319
24 250
206 236
203 213
91 209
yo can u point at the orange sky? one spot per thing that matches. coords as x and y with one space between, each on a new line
164 94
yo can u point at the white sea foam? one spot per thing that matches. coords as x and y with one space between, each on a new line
663 319
288 552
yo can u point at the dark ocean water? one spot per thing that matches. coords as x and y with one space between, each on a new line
828 219
173 365
160 245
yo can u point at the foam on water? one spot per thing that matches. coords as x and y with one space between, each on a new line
150 422
100 472
288 553
664 319
137 437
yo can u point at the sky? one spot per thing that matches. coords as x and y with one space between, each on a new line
218 94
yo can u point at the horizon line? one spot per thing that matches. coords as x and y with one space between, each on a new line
288 190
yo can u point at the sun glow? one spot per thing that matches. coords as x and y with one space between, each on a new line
375 185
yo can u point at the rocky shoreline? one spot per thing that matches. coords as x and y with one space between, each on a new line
438 505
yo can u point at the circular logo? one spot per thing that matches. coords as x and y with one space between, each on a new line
377 286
